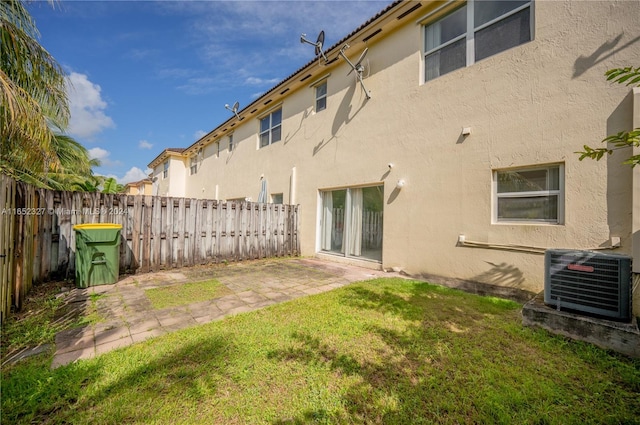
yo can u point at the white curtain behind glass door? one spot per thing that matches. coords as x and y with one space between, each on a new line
355 223
327 221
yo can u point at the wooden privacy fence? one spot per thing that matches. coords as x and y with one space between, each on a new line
37 240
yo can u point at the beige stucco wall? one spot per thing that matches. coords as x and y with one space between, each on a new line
159 185
534 104
174 183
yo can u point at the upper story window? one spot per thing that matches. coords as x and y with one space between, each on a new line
475 31
230 142
194 165
165 170
533 194
271 128
321 96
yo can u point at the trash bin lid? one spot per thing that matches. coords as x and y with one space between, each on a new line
97 226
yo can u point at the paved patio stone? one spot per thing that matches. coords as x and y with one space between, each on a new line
229 302
66 358
254 284
175 322
314 290
112 345
204 310
240 309
276 295
108 335
251 297
262 304
65 345
180 324
143 325
143 336
74 333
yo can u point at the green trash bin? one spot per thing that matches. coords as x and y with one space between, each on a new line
97 254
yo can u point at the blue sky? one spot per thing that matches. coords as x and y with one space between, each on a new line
147 75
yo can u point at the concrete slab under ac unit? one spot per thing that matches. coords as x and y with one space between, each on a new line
621 337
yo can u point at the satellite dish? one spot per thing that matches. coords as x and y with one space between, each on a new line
233 109
358 67
318 44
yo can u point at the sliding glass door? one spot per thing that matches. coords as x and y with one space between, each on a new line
351 222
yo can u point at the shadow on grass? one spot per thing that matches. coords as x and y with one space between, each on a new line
487 369
41 395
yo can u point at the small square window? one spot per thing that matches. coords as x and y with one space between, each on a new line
321 96
276 198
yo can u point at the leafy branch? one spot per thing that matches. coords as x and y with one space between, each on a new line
628 75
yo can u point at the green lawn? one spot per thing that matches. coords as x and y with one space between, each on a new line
186 293
386 351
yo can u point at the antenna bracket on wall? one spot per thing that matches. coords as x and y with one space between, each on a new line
358 67
318 44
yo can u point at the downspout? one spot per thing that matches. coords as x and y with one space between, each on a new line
292 195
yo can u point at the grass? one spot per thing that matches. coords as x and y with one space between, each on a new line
386 351
185 293
44 313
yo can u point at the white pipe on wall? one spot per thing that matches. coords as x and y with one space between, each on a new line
292 195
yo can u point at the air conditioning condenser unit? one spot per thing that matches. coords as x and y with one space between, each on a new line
588 282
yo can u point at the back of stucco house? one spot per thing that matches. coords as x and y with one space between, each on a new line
475 113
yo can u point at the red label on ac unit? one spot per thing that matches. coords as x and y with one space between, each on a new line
580 268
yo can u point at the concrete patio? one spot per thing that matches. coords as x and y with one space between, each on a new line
130 317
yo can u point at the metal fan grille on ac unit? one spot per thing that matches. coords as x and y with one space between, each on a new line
589 282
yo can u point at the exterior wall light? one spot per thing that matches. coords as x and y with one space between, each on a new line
400 184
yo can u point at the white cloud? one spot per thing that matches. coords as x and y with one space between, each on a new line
87 107
237 41
201 85
255 81
145 144
133 175
103 156
98 153
199 134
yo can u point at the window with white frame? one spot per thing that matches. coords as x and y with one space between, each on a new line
165 170
321 96
230 142
271 128
194 165
534 194
475 31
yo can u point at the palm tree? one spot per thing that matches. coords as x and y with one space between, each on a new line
34 109
110 185
74 164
